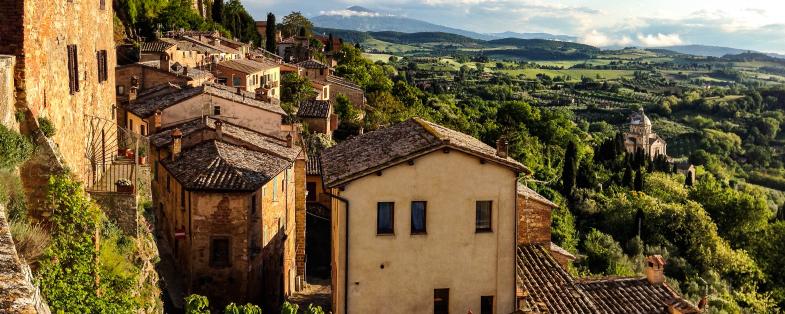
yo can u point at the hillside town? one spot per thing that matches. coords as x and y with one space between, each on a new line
191 171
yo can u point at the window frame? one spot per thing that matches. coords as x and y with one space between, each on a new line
73 68
484 299
424 218
391 230
477 227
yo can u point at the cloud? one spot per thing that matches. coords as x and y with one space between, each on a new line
599 39
349 13
659 40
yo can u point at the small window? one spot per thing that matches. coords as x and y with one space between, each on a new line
219 252
103 69
484 216
216 110
275 190
168 183
385 213
182 197
311 188
103 4
441 301
236 81
120 90
486 304
73 69
418 217
142 130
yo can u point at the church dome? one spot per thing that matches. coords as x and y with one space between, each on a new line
640 118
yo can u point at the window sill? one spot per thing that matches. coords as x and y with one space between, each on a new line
385 234
419 233
483 231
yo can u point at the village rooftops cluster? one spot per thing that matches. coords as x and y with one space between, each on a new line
168 95
545 287
314 109
392 145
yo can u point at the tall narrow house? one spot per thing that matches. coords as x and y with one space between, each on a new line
423 221
65 59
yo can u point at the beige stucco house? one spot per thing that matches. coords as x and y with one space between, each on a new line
261 77
423 221
641 137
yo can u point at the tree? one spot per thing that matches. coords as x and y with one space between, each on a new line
570 169
639 180
197 304
345 110
218 11
295 88
626 180
688 180
329 47
270 33
293 23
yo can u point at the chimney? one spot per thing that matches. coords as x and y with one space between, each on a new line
655 268
289 140
219 131
165 64
157 120
501 147
215 41
177 143
132 93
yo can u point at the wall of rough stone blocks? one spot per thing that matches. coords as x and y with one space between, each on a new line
534 221
299 215
121 209
7 92
17 292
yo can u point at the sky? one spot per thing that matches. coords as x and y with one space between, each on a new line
746 24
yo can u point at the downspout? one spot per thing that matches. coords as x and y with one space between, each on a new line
346 243
515 247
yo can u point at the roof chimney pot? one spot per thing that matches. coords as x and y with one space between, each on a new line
502 147
177 143
655 269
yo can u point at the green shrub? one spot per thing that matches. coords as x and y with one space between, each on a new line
31 240
289 308
242 309
14 148
197 304
313 309
46 126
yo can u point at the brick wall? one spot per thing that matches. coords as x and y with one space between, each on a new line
299 183
534 221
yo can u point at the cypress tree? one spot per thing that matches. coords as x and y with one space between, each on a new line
640 158
218 11
626 180
688 180
639 181
570 168
329 47
270 33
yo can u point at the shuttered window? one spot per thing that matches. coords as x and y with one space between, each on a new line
103 4
73 69
103 70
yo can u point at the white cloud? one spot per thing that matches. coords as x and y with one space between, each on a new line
599 39
348 13
659 40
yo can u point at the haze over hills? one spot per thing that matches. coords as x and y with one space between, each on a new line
358 18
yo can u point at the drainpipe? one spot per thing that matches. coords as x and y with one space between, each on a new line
515 246
346 243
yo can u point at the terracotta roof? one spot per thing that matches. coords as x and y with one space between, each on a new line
156 46
193 73
337 80
527 192
314 109
258 141
205 43
219 166
247 66
146 105
312 64
545 287
389 146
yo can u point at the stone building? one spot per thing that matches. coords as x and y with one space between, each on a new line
260 77
318 115
534 223
342 86
146 75
225 200
65 59
423 221
169 104
641 137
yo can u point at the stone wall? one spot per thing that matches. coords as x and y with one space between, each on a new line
7 93
299 215
121 210
534 221
17 292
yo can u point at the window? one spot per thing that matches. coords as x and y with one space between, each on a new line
275 190
441 301
168 183
253 203
236 81
142 130
103 73
103 4
486 304
311 188
120 90
130 124
219 252
484 216
385 212
182 197
418 217
73 69
217 110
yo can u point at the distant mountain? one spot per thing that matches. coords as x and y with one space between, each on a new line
366 20
535 36
704 50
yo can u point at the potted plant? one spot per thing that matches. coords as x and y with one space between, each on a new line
142 156
129 153
124 186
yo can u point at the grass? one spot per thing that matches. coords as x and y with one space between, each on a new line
31 240
383 57
388 47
